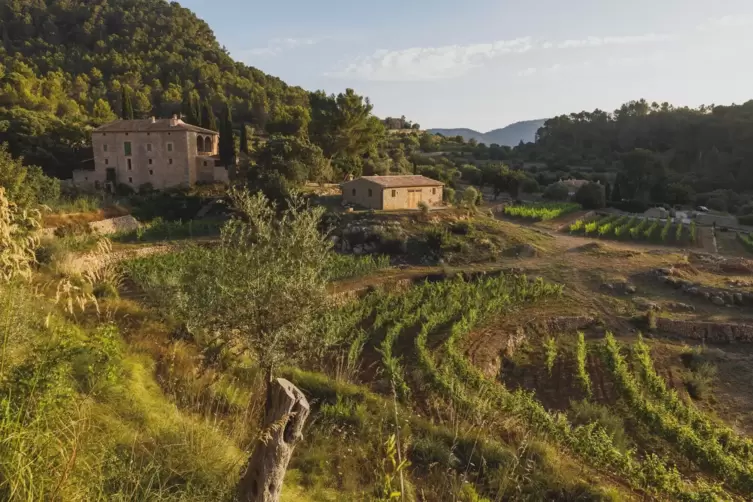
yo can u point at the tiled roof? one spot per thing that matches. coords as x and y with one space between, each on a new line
403 181
147 125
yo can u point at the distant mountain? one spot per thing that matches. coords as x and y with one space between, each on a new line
509 136
465 133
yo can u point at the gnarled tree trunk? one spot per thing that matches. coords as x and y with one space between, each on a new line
286 413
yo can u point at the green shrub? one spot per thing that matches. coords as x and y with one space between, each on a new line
470 197
591 196
556 191
699 382
461 227
437 237
448 195
585 412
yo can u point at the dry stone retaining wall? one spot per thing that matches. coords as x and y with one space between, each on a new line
717 296
709 332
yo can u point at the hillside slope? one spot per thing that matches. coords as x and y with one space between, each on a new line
65 64
510 135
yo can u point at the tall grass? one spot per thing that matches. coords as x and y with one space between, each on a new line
77 204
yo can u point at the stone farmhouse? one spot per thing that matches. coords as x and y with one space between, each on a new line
392 192
573 185
161 152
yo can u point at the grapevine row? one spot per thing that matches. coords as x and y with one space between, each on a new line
707 454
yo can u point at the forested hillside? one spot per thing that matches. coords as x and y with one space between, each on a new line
705 149
66 66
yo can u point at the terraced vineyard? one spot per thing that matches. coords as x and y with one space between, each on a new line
415 340
541 211
636 228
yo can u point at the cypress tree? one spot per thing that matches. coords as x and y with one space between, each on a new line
190 109
127 112
244 139
616 194
208 120
227 141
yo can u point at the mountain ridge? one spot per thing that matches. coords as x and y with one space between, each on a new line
509 135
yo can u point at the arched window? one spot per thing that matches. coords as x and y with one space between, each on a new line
208 144
199 144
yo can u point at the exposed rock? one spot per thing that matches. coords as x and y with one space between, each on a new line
679 306
717 300
738 298
645 304
630 289
358 249
523 251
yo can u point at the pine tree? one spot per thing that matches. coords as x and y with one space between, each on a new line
244 139
127 112
227 141
208 120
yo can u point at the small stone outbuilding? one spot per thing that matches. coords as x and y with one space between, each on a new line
392 192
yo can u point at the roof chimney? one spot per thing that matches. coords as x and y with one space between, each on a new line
153 119
174 121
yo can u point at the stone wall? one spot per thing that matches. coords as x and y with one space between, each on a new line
718 296
125 223
709 332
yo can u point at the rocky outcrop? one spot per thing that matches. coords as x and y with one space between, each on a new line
621 287
370 236
709 332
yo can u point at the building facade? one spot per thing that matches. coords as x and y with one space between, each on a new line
392 192
163 153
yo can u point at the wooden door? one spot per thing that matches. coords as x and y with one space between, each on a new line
414 197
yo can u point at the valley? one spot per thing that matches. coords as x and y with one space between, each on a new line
216 286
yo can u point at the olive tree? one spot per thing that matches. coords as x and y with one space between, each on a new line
263 285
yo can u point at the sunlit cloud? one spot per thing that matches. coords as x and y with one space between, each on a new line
624 40
429 63
451 61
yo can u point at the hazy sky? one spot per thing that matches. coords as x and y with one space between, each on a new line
484 64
